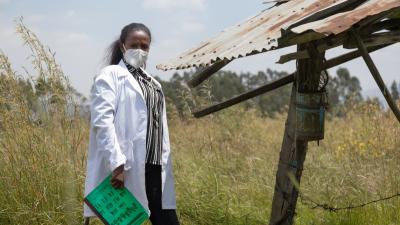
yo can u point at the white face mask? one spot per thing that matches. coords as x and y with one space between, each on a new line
135 57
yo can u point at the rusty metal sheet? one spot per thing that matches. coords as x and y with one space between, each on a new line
343 21
261 32
257 34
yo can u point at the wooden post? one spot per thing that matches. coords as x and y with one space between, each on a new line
293 152
375 73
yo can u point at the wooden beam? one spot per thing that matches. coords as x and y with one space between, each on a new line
395 14
369 39
375 39
349 56
203 74
289 38
375 73
389 24
293 56
247 95
373 19
293 151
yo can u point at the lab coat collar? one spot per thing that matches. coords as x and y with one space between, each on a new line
122 64
131 79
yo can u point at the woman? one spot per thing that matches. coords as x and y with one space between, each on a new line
129 132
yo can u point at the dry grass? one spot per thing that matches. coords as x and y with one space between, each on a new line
224 164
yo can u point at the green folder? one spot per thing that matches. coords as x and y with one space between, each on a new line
116 206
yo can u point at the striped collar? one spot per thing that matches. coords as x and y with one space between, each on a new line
136 71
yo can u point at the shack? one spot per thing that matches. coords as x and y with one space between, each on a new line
314 26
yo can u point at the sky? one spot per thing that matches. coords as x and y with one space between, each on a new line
79 32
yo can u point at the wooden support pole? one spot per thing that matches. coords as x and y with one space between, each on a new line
293 151
250 94
349 56
280 208
375 73
382 38
203 74
372 42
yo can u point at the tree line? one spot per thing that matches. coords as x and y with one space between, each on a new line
343 90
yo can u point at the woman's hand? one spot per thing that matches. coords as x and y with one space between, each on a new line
117 177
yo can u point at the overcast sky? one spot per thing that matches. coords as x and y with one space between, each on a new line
80 31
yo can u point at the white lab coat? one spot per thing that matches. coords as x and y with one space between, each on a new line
118 136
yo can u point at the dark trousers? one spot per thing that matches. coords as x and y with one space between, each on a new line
158 216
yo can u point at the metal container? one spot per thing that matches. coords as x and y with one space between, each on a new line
310 115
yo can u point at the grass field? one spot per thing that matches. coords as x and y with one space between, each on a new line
224 164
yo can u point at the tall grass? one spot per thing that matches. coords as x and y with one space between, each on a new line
43 151
224 164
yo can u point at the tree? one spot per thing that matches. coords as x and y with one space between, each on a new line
224 85
173 91
395 91
274 101
343 90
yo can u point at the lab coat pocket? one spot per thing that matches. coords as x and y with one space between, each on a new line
127 150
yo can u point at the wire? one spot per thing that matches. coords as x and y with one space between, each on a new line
313 204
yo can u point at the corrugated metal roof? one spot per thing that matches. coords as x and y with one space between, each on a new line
261 32
343 21
257 33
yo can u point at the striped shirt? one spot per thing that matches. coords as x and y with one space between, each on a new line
154 97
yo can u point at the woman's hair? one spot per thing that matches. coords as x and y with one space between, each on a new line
114 51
